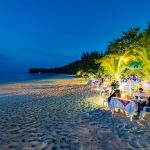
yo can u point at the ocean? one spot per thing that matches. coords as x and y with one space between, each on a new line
23 77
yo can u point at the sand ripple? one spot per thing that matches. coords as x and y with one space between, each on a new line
64 116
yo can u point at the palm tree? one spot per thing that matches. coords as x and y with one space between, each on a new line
109 64
115 64
143 55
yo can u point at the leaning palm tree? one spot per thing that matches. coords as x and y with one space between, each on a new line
109 64
115 64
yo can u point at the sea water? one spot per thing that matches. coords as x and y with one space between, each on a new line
23 77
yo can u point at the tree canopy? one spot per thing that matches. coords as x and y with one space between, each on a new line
128 54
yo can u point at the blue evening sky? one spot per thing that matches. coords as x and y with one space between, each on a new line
53 33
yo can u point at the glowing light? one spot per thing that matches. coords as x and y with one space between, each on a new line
123 95
79 73
125 59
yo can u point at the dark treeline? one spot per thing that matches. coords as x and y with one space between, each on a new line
134 42
85 64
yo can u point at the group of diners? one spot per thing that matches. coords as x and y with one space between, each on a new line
141 98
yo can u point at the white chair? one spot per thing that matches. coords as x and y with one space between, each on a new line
146 110
105 103
131 107
115 104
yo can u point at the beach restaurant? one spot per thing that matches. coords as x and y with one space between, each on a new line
127 101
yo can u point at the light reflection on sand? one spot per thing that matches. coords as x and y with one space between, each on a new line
64 115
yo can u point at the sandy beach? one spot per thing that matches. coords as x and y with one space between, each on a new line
64 115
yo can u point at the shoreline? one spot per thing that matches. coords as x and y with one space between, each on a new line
26 77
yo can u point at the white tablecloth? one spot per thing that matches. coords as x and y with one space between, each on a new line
131 107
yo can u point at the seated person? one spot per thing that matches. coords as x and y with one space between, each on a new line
115 106
140 94
142 99
148 102
115 94
125 100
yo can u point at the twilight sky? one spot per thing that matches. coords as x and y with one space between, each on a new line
53 33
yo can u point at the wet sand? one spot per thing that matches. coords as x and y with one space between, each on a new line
64 115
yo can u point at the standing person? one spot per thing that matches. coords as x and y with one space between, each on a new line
117 86
134 77
139 85
113 84
101 82
97 76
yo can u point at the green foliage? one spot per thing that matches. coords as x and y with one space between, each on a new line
115 64
124 42
134 46
87 63
125 55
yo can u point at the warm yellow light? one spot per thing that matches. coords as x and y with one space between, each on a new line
123 95
125 59
79 73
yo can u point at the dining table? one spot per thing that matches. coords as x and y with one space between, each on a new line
130 106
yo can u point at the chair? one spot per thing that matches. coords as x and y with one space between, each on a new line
105 101
145 110
131 107
94 84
